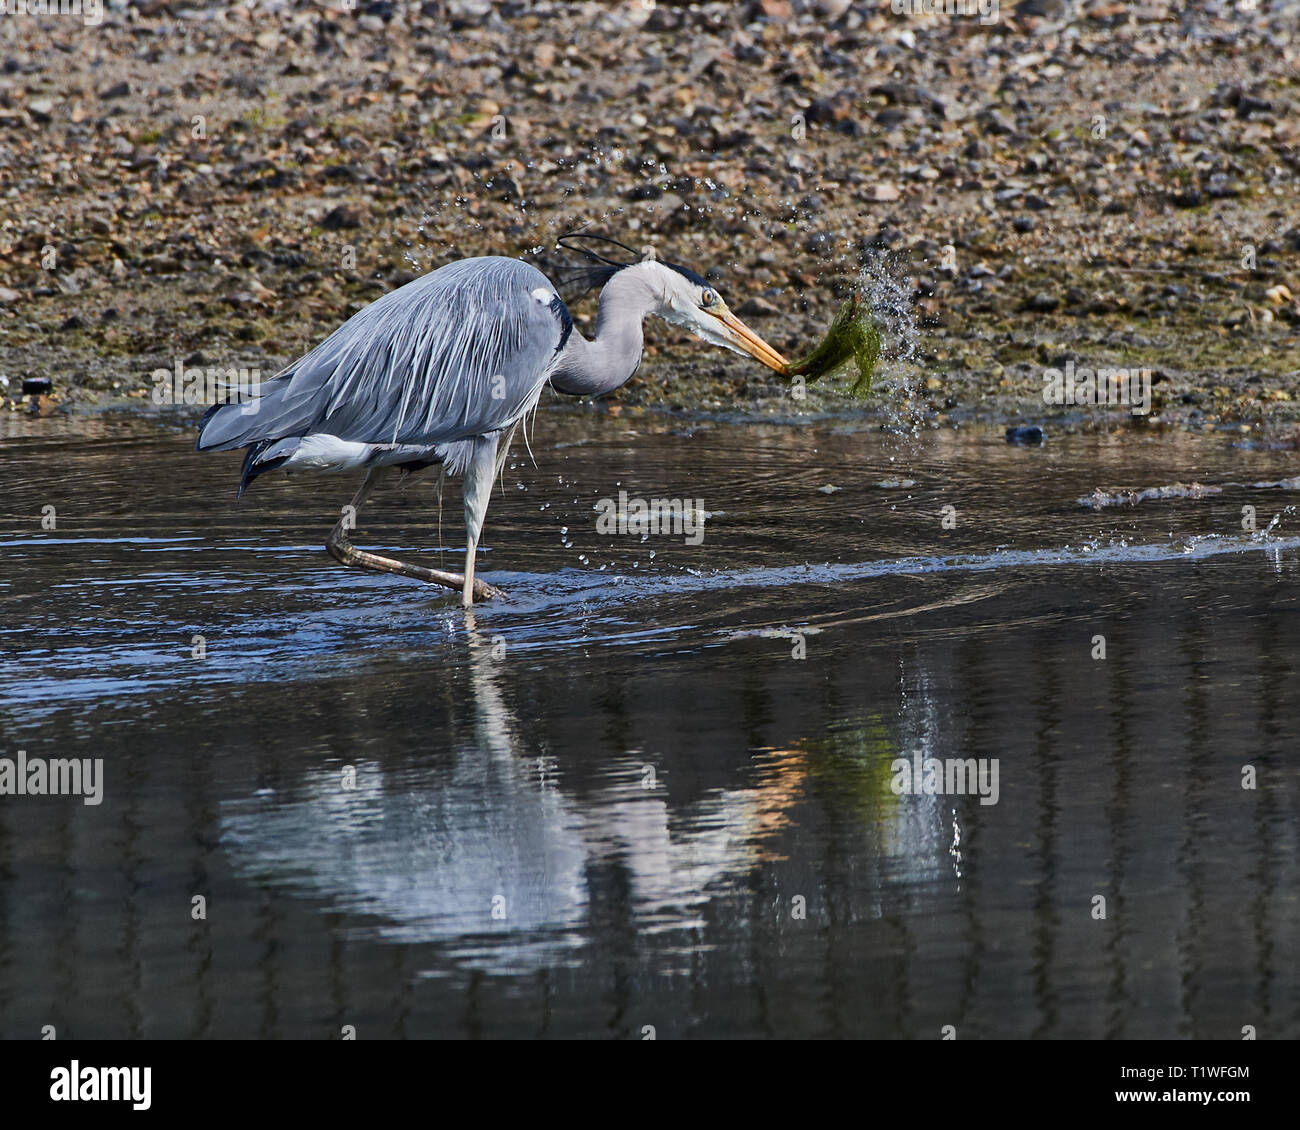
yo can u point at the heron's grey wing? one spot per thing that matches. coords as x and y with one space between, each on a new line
460 352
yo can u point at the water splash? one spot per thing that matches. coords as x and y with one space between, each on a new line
883 287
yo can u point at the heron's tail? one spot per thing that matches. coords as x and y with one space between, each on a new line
265 455
268 416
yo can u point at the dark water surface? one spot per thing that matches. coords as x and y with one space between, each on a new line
601 806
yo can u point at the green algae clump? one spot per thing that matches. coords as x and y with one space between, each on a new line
852 337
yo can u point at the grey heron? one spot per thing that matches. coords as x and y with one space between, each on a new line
442 370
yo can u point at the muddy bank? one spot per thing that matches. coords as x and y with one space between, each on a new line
220 187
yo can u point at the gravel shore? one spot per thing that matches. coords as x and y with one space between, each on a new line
1085 185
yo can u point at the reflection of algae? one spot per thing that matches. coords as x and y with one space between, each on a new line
855 763
852 337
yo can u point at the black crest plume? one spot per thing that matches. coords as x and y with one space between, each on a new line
599 268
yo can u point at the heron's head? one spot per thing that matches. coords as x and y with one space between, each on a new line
687 300
676 294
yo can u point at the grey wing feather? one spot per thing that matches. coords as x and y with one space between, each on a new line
460 352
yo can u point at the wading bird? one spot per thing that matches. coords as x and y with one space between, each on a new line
441 372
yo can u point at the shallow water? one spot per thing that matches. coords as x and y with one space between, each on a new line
596 807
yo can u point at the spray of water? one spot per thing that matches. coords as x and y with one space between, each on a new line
884 291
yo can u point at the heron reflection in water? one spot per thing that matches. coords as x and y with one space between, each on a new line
425 850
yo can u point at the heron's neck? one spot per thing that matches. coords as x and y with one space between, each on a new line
598 366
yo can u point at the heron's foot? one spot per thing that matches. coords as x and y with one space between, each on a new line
344 552
482 590
485 591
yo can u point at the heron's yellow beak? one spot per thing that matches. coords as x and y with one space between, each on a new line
750 342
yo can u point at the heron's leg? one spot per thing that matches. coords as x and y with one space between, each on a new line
503 449
343 551
480 474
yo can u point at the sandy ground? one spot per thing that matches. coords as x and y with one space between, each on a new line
1102 185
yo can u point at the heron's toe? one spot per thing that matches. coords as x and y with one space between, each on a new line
485 591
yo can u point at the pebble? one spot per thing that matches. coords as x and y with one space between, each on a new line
1025 435
343 216
757 307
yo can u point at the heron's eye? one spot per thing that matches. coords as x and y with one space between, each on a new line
708 298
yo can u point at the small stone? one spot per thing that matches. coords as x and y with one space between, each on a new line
1219 186
995 122
343 216
827 111
757 308
1248 105
342 172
